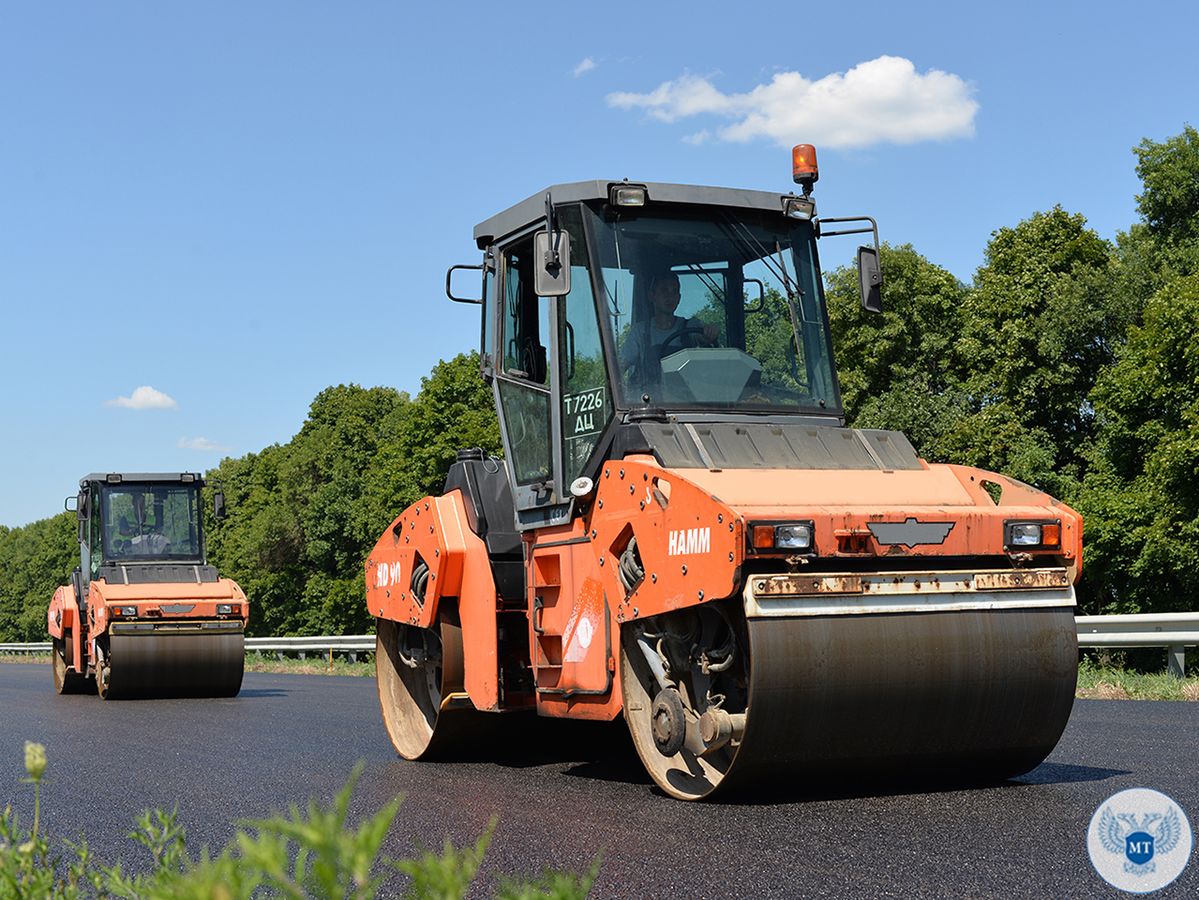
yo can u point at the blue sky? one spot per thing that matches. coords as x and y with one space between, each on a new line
238 204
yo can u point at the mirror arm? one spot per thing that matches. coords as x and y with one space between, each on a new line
449 291
553 261
873 229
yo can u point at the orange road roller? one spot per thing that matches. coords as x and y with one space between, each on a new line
683 530
145 615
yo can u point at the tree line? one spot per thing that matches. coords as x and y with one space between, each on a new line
1070 362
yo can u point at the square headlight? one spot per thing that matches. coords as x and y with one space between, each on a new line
1032 534
628 195
793 537
802 208
224 609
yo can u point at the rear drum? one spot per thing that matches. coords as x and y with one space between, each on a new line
420 676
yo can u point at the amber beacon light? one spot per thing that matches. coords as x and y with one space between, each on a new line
803 165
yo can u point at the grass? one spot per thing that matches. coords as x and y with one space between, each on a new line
1101 678
315 664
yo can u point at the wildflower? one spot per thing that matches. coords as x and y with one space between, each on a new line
35 761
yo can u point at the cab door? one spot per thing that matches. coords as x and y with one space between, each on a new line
525 382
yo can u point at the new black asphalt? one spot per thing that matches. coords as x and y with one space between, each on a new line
566 792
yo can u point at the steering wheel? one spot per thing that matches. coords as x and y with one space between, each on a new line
676 338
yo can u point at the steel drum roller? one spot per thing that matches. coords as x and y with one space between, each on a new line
978 694
174 664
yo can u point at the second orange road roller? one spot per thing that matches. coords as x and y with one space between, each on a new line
684 532
145 615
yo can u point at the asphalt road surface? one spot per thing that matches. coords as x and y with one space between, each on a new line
565 792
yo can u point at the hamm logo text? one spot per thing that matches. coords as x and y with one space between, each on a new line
685 541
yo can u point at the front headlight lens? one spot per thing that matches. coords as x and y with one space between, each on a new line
1025 534
793 537
224 609
128 610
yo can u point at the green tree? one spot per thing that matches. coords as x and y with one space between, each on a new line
1043 318
35 560
454 410
1140 498
898 369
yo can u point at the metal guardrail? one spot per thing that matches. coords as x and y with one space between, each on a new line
351 644
25 648
1174 631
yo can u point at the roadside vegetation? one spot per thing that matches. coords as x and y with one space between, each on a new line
1069 362
1105 676
310 852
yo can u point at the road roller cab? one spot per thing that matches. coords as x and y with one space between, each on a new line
145 614
702 545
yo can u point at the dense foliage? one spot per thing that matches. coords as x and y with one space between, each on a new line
1070 363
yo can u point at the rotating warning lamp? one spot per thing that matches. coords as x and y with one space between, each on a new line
803 166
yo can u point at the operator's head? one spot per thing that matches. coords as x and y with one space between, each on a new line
664 292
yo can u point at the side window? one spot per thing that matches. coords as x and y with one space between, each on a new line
586 398
525 318
524 383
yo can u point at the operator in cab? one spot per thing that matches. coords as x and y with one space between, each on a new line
662 330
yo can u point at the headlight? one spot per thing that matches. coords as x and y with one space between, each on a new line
125 610
795 536
1041 535
802 208
628 195
224 609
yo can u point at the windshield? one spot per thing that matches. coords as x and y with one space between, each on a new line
721 309
150 522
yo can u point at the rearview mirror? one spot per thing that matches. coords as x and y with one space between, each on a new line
218 505
551 264
870 280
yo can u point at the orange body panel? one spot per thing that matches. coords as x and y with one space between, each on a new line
691 544
172 600
63 621
845 502
574 633
435 530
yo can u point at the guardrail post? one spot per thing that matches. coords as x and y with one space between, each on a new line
1176 660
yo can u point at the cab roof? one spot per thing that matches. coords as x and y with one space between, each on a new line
143 478
532 209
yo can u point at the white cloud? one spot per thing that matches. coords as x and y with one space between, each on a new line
201 443
883 100
144 397
584 67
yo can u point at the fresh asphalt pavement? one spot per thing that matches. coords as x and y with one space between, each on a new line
566 792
